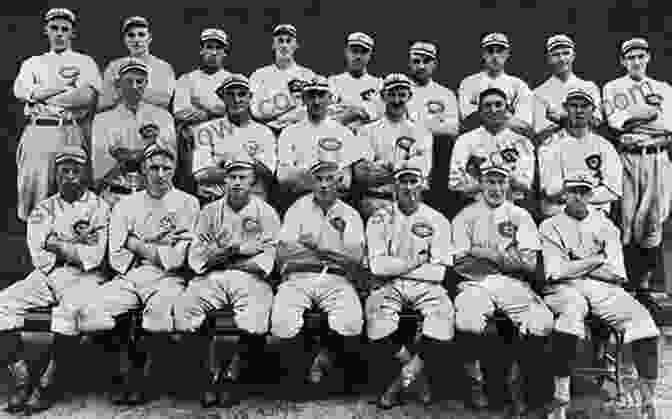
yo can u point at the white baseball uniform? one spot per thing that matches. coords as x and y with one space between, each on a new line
517 91
552 94
435 106
196 91
361 91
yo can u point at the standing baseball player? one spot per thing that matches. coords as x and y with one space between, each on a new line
549 97
497 260
393 140
409 246
583 260
574 148
496 50
320 251
148 246
233 253
494 137
639 109
137 37
355 91
219 140
67 238
59 89
120 135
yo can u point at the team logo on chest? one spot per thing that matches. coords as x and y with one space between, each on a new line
80 227
435 106
507 229
405 143
594 162
168 223
338 224
149 131
510 155
422 229
330 144
367 95
69 74
251 225
252 147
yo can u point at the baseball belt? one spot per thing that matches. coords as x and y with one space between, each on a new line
318 269
51 122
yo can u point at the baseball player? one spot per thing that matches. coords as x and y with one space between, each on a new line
583 261
161 86
496 50
320 250
58 87
233 253
148 245
272 102
409 245
120 135
355 90
493 137
497 246
67 237
574 148
219 140
639 109
549 97
300 145
393 140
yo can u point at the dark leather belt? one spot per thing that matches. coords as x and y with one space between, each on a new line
51 122
379 195
646 149
314 269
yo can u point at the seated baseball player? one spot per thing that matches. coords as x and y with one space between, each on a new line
148 247
67 237
574 148
493 137
218 141
409 247
320 250
233 253
583 260
497 245
394 139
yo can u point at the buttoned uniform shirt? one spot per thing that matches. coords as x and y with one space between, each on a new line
564 154
625 96
517 91
55 216
196 91
218 141
435 106
255 221
143 216
552 94
340 230
160 83
361 91
119 127
474 147
479 225
67 69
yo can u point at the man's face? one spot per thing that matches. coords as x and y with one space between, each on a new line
635 62
59 32
159 170
495 57
495 187
357 57
213 53
579 112
577 200
326 184
69 176
396 99
316 102
239 182
421 66
493 109
284 46
132 86
561 60
137 40
408 188
237 100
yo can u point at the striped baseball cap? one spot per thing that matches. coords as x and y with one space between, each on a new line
492 91
409 167
578 93
495 38
216 35
494 164
137 21
424 48
634 43
361 39
286 29
558 41
234 80
396 80
131 64
156 148
579 178
317 83
71 153
240 161
60 12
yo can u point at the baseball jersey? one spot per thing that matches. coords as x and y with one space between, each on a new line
435 106
340 229
196 90
517 92
119 127
143 216
564 238
478 145
160 83
257 220
56 216
423 234
270 91
67 69
553 92
361 91
624 96
566 154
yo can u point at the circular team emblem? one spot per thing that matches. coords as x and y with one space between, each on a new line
510 155
422 229
251 225
594 161
507 229
167 223
295 85
148 131
435 106
497 159
330 144
252 147
338 223
405 143
80 227
367 95
653 99
70 74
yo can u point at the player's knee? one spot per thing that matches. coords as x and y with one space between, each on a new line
285 323
541 321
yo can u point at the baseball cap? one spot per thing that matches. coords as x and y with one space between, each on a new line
396 80
409 167
216 35
285 29
577 93
424 48
234 80
361 39
138 21
557 41
71 153
494 164
317 83
133 64
579 178
60 12
634 43
157 148
240 161
492 91
148 130
495 38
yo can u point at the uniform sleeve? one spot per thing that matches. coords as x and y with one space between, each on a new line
167 129
91 75
162 85
270 224
524 173
615 116
100 143
425 150
376 237
287 156
667 106
108 95
527 235
458 178
613 169
550 170
613 249
258 95
268 155
465 95
291 225
594 91
442 243
38 229
461 234
26 82
353 236
91 256
554 255
539 108
196 257
182 99
523 103
120 227
173 257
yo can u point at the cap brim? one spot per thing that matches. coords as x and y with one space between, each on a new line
324 167
402 172
360 44
494 170
284 31
215 38
396 84
498 43
74 159
578 184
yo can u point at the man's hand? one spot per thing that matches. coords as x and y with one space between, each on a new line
53 244
44 93
254 247
352 113
485 253
519 126
89 237
556 115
